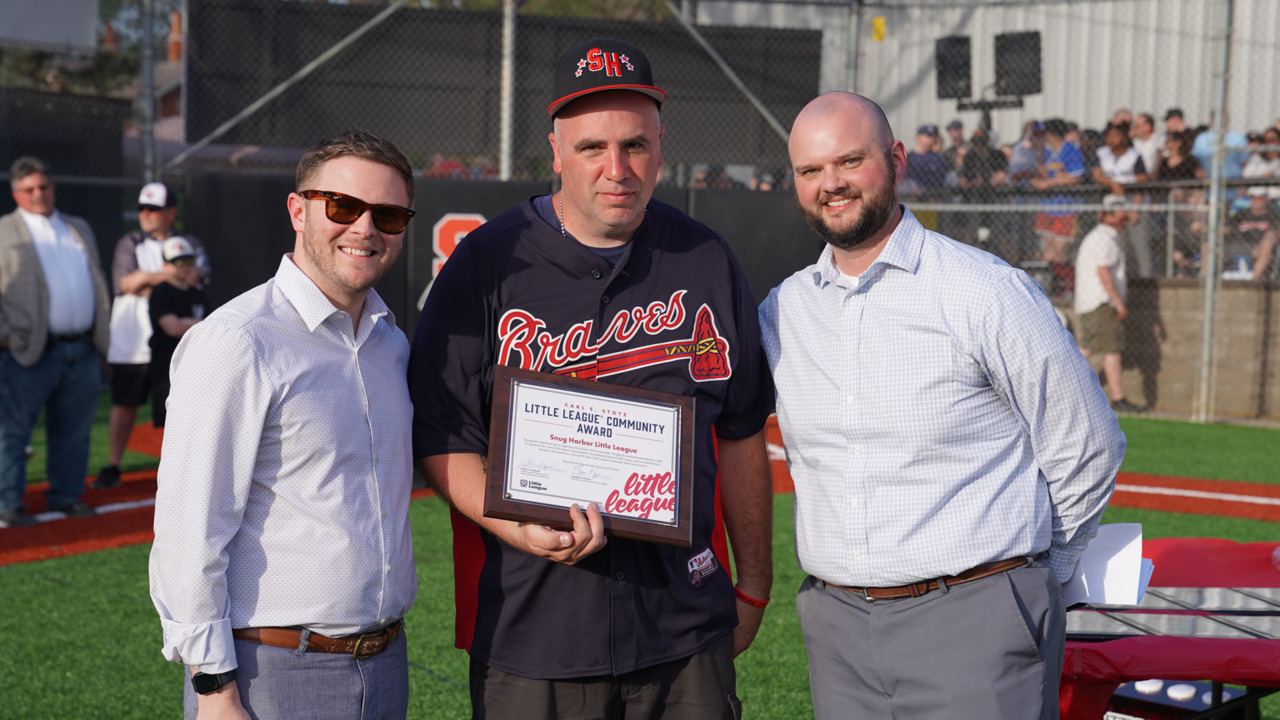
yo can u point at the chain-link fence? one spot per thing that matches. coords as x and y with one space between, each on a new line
1019 116
1024 116
431 80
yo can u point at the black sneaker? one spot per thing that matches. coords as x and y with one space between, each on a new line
76 509
16 517
108 477
1124 406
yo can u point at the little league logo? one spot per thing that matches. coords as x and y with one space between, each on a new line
611 62
702 566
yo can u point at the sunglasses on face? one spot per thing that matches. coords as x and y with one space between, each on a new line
184 261
344 209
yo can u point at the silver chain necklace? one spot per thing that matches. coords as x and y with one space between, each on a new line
560 215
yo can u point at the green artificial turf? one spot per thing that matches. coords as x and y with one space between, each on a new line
82 639
1210 452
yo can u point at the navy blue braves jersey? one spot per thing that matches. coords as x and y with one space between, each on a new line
675 314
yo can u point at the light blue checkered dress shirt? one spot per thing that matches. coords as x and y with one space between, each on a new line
936 415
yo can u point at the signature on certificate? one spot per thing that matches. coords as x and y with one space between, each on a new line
587 471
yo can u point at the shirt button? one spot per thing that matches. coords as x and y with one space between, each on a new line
384 513
620 575
857 448
597 274
853 501
388 568
849 400
605 299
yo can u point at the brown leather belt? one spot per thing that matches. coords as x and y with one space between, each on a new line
920 588
357 646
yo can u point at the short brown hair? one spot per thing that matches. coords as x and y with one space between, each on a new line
353 143
24 166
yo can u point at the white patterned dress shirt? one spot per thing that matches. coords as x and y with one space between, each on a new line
936 416
285 473
66 273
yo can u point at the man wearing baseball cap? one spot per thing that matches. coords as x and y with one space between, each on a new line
136 268
594 281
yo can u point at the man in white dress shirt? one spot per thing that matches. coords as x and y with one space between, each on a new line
53 323
952 451
283 563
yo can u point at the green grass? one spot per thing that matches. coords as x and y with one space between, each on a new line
1211 452
82 639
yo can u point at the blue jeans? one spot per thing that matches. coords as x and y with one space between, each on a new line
63 382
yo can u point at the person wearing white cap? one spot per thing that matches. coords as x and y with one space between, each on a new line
175 306
1100 294
136 268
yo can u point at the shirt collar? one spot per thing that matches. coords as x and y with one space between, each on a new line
36 217
902 252
313 306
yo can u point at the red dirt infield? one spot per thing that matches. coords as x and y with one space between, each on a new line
127 511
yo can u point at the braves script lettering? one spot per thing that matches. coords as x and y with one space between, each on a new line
525 344
643 495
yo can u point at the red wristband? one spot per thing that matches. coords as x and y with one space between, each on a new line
748 599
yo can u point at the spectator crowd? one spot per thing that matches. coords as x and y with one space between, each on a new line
1056 162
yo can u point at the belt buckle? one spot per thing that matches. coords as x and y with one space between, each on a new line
866 595
355 652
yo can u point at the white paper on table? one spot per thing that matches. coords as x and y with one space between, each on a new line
1112 570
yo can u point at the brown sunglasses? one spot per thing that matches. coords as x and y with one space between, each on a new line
344 209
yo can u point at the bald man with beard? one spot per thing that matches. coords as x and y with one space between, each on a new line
952 451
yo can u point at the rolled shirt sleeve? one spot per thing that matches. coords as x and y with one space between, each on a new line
217 405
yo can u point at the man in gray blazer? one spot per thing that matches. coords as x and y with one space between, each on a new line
54 320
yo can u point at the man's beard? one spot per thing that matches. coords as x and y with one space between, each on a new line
876 211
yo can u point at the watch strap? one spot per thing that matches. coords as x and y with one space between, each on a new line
204 683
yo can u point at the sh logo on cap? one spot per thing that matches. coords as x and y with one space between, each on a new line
602 64
597 60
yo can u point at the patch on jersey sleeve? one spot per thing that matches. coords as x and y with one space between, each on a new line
702 566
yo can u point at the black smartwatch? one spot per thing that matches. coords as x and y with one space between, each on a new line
204 683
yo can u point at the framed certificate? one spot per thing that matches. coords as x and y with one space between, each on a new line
556 440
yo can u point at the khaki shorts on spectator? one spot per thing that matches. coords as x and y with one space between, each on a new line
130 384
1101 331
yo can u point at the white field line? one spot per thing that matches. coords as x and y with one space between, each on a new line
1178 492
777 453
